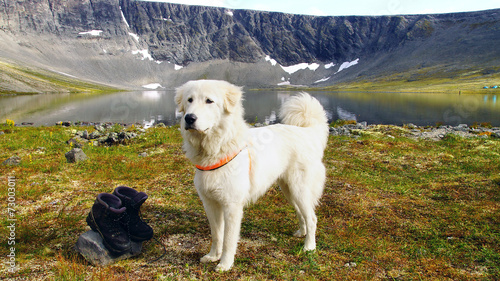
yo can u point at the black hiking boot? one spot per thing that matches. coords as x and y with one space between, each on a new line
132 200
106 217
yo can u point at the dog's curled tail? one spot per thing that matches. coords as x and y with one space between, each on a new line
303 110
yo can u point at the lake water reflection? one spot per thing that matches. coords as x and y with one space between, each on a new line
260 106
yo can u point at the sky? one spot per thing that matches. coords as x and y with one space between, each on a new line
350 7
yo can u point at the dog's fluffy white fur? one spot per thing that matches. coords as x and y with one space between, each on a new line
290 153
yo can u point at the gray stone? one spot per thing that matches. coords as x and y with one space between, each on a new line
75 155
90 245
411 126
99 128
362 125
12 161
94 135
75 142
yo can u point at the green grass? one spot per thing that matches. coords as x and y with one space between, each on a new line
436 79
393 208
44 81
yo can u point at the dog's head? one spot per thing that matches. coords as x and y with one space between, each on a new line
204 103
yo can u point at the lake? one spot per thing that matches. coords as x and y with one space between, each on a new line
260 106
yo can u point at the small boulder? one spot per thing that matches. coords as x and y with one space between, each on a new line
12 161
75 155
90 245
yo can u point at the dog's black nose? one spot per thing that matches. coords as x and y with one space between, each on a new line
190 118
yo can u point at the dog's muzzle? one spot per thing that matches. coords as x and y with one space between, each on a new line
190 120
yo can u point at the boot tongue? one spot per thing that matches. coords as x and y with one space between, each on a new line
139 198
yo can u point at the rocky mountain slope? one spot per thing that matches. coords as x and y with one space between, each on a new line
129 44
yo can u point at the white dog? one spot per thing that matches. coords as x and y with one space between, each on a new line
237 164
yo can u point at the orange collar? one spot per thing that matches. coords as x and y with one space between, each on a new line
221 162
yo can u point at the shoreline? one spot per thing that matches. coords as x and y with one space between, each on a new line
345 128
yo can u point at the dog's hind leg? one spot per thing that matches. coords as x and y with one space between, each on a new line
216 220
233 214
310 219
302 231
305 188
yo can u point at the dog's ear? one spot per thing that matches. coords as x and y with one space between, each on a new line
179 96
232 98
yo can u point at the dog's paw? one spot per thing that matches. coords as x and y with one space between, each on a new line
209 258
223 267
300 233
309 247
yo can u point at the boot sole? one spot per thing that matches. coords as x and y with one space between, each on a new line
139 239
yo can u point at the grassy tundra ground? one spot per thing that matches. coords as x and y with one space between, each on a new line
393 208
17 79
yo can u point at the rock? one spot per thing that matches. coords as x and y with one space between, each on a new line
66 123
411 126
94 135
75 155
112 138
91 247
333 131
143 154
99 128
12 161
462 128
75 142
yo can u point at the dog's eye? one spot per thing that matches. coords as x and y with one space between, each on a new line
190 100
209 101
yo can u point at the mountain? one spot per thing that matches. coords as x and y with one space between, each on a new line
129 44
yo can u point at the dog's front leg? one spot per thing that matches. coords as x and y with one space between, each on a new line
216 220
233 215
